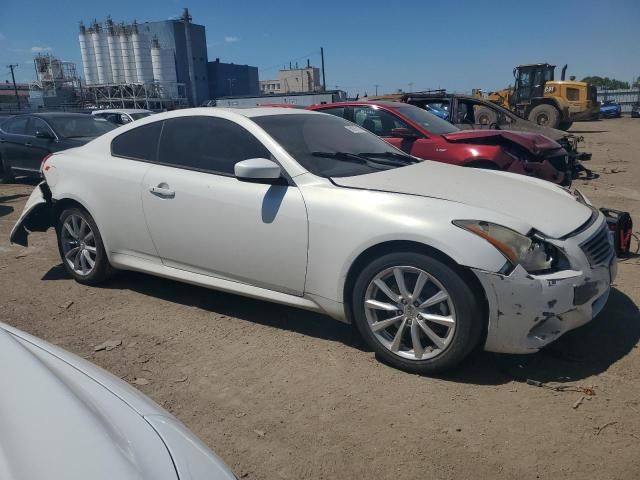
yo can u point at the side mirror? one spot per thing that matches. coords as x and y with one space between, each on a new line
257 170
404 133
44 134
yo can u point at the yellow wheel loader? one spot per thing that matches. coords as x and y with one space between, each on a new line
539 98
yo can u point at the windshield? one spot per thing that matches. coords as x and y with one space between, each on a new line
138 116
427 120
331 146
80 126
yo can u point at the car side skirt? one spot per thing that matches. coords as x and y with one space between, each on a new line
306 302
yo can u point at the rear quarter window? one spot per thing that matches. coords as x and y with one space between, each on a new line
140 143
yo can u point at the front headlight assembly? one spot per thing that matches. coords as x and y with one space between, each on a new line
531 252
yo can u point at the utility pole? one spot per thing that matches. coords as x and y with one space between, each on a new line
376 85
324 83
15 88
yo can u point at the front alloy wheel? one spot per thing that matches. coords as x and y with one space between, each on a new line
410 312
417 312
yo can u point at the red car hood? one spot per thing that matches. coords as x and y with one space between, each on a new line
533 142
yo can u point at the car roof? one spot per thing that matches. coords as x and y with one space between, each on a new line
120 110
380 103
261 111
50 115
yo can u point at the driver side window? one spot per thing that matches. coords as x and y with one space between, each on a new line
38 125
209 144
377 121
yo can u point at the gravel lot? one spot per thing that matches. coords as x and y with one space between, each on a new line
282 393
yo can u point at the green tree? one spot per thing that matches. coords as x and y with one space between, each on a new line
606 82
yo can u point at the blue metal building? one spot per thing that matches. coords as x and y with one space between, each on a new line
229 79
189 42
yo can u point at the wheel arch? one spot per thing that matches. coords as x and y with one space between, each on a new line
60 205
70 201
410 246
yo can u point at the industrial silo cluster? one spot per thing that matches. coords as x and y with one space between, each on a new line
115 54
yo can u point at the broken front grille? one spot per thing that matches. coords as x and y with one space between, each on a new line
598 248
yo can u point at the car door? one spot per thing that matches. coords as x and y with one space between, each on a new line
204 220
12 141
37 148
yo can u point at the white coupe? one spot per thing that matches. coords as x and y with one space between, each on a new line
310 210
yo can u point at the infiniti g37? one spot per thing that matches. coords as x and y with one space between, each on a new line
307 209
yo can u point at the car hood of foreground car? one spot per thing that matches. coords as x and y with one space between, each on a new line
534 142
542 205
64 418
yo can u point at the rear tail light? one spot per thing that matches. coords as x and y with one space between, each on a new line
43 166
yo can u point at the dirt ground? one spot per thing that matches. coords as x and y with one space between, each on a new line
283 393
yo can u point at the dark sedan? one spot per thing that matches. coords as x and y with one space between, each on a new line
25 140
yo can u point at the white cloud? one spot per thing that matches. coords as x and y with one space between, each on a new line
41 49
231 39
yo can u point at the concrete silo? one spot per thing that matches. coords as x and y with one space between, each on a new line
88 56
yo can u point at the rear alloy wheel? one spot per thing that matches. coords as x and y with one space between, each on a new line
81 248
545 116
416 312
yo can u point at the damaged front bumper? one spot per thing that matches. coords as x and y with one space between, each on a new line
36 215
527 312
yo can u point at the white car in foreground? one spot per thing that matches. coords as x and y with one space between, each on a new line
63 418
310 210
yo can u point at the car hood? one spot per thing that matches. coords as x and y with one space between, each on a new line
542 205
57 422
534 142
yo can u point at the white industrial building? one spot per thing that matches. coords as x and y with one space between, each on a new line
147 65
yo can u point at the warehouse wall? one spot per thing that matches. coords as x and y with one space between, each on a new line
245 79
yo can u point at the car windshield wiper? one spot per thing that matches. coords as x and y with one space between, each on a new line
354 158
400 159
389 159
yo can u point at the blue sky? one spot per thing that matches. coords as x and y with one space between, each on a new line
454 44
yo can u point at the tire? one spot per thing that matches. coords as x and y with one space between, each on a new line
545 116
6 173
565 125
91 248
458 325
485 116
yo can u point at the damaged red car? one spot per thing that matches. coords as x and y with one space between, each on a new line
426 136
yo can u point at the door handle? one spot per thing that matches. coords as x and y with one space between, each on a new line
28 144
163 191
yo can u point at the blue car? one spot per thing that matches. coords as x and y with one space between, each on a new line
440 112
610 109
